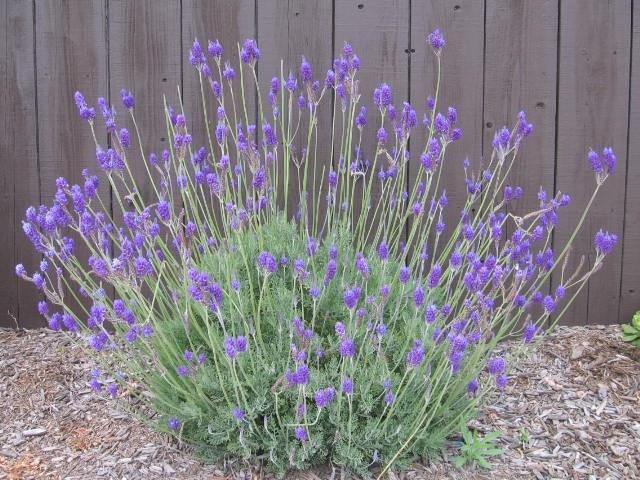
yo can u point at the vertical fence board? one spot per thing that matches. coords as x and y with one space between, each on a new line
287 31
229 22
19 159
592 101
74 61
379 34
520 74
630 284
461 86
145 58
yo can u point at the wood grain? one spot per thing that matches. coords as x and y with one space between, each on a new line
592 112
19 179
630 280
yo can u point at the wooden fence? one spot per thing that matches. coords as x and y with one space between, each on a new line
573 65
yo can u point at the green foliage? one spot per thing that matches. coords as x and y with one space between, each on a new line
476 449
631 332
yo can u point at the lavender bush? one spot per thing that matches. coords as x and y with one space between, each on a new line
364 336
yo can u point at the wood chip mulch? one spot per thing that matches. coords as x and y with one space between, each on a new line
570 410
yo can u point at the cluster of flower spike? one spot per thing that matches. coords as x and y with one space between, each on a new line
460 283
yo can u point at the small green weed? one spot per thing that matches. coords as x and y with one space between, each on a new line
476 449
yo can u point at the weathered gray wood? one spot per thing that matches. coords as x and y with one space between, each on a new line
73 60
145 58
379 34
592 112
19 159
230 23
287 31
520 74
630 282
461 86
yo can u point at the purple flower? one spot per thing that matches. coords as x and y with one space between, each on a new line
70 323
259 179
389 397
301 434
306 72
436 40
347 348
351 297
250 51
339 329
173 423
86 112
182 370
496 365
20 270
549 304
383 251
383 96
215 49
127 99
434 275
361 119
529 332
501 381
418 296
233 346
299 377
415 355
323 397
228 73
238 414
112 388
362 265
472 386
332 179
267 262
347 386
143 267
605 242
609 159
404 275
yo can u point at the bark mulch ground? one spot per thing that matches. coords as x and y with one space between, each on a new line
571 410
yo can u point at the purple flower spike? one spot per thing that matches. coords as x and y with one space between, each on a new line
415 355
250 52
434 276
496 365
215 49
436 40
306 72
472 386
347 348
173 423
324 396
404 275
351 297
267 262
529 332
605 242
238 414
347 386
128 99
362 265
301 434
418 296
